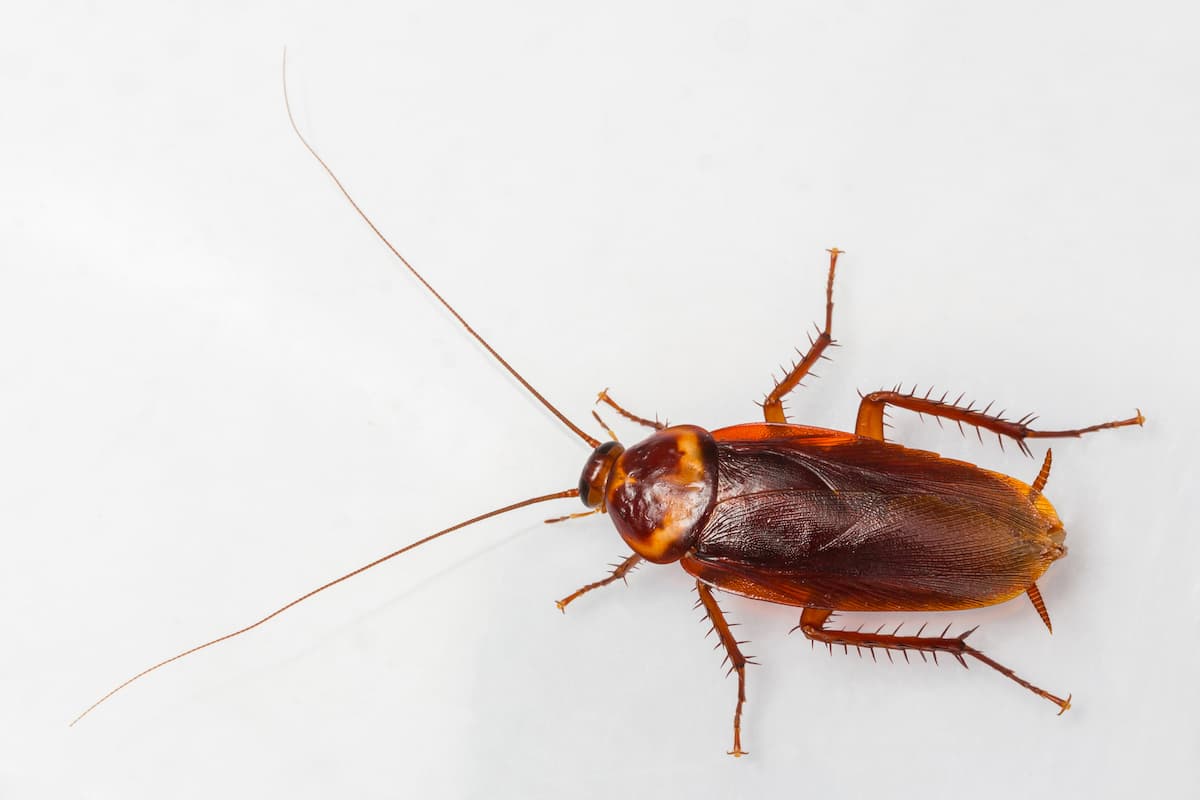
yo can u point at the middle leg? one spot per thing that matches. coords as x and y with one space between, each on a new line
733 655
773 405
618 574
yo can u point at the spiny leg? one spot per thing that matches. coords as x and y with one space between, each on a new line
602 397
871 411
773 405
618 574
812 624
733 655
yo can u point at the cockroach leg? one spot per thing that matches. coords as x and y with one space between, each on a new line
602 397
618 574
1035 596
812 624
773 405
871 410
733 655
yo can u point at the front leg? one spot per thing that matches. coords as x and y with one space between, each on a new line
618 574
773 405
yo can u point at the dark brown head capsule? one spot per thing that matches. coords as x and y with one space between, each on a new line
657 492
594 480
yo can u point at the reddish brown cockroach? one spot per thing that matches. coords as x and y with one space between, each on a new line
818 519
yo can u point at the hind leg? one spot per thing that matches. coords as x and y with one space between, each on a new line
871 410
812 624
773 405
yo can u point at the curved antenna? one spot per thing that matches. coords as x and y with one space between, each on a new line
323 587
345 193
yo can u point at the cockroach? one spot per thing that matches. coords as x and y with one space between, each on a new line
818 519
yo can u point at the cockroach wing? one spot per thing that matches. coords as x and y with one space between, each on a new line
814 517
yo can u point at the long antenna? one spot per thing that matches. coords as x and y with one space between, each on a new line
323 587
575 428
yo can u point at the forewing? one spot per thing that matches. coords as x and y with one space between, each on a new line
832 520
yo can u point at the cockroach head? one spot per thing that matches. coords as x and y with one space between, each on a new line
660 491
593 482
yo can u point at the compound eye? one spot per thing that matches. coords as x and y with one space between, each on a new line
594 480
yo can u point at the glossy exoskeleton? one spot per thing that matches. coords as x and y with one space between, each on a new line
818 519
833 521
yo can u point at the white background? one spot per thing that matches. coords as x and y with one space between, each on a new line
217 390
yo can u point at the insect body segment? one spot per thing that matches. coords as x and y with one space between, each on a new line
662 490
593 481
